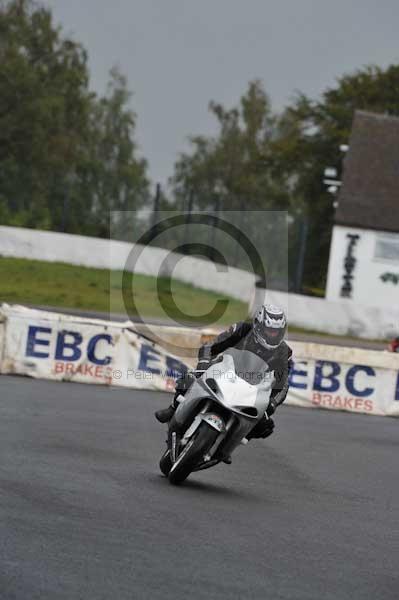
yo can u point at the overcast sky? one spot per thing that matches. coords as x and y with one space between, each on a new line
179 54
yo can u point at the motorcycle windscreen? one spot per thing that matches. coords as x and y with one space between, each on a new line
250 367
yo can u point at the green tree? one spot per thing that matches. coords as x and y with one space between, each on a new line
113 175
66 157
44 103
234 170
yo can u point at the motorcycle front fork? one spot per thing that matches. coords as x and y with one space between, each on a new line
221 437
175 442
189 432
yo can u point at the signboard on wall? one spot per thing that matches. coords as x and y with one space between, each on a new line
61 348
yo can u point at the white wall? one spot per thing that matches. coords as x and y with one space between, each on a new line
335 316
338 318
111 254
368 288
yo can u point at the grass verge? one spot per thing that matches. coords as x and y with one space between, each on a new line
68 286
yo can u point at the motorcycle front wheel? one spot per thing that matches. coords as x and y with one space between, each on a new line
193 453
165 464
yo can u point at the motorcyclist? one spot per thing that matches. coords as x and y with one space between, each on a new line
264 337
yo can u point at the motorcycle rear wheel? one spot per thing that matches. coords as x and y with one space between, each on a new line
193 453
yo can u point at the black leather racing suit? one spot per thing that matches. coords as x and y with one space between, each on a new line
240 336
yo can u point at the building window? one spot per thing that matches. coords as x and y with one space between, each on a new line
387 248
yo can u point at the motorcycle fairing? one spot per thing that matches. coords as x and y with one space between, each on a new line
221 383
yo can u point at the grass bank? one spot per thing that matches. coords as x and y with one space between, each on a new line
67 286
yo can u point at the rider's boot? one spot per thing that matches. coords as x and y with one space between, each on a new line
262 429
182 384
165 414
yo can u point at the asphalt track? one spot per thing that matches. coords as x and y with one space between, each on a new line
311 513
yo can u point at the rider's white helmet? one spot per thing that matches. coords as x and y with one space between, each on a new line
270 326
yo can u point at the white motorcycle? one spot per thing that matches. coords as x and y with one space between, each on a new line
216 414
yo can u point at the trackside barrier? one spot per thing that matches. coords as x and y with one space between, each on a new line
47 345
2 330
355 380
183 341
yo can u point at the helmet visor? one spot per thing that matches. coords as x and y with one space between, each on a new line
270 337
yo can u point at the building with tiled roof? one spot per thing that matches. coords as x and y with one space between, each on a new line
364 255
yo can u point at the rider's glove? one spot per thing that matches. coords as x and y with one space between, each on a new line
201 367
